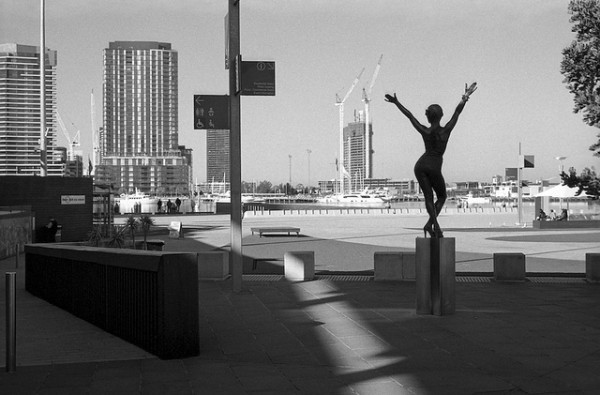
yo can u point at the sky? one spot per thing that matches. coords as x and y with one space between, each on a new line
511 48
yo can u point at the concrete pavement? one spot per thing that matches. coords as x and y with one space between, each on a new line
338 334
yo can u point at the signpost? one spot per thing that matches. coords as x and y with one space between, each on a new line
211 112
258 78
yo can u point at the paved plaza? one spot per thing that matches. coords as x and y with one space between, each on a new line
343 334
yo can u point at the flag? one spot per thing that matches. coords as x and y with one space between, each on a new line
345 172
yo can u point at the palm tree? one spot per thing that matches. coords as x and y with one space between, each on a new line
132 225
146 221
116 237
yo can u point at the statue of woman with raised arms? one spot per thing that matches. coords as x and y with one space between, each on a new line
428 168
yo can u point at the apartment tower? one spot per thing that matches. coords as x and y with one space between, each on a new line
20 120
139 141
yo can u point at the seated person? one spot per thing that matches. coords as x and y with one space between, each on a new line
47 233
553 215
564 216
542 216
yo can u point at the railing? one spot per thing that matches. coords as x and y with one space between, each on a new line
147 298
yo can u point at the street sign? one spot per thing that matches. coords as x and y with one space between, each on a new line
211 112
258 78
528 161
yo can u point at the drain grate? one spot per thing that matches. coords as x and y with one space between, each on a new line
341 277
262 277
473 279
556 280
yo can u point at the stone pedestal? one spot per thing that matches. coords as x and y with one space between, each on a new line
435 275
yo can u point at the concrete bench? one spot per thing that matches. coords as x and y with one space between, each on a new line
299 265
175 230
276 229
509 266
566 224
394 266
213 265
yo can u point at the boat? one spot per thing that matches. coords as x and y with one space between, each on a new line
471 201
353 199
137 202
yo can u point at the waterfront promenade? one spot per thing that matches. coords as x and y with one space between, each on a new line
343 334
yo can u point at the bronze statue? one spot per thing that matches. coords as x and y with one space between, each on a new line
428 168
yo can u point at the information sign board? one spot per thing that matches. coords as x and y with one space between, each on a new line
258 78
211 112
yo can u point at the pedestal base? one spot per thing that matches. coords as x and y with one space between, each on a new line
435 275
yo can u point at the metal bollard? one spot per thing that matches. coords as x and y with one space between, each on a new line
11 322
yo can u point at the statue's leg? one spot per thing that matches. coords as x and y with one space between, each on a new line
427 189
439 186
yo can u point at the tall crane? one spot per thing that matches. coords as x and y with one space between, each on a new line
95 136
368 132
72 142
340 103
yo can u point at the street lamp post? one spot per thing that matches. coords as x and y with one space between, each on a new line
561 169
308 152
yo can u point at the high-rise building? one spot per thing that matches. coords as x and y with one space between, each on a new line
20 115
355 154
139 147
217 155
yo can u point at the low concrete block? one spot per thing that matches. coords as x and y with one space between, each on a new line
509 266
592 267
394 266
299 265
213 265
175 230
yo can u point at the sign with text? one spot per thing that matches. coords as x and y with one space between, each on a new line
72 199
211 112
258 78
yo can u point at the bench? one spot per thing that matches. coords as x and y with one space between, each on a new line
276 229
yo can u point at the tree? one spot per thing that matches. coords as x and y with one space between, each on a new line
264 187
587 181
146 222
581 62
132 224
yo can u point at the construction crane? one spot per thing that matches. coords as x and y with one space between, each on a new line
368 133
72 142
340 103
95 136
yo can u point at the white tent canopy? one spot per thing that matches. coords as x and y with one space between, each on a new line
563 192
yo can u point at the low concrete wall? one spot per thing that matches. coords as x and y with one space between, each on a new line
15 230
145 297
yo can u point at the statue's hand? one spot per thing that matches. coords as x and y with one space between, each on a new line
391 99
469 90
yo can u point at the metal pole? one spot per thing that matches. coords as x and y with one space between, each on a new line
235 168
17 251
11 322
520 196
43 156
